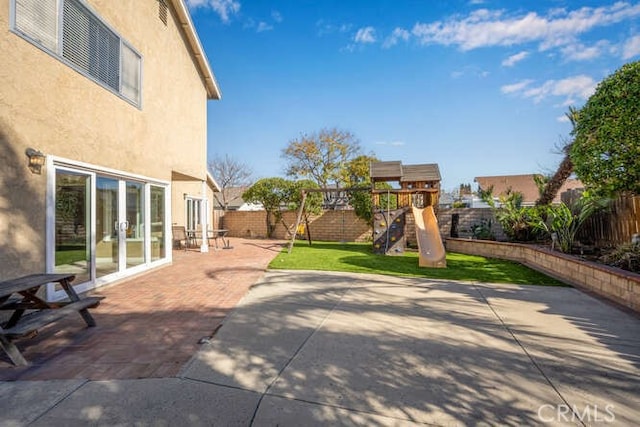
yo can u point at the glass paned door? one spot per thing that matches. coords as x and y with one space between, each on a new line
120 235
107 223
158 223
134 222
194 209
73 252
104 226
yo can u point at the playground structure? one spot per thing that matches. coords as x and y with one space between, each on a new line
419 192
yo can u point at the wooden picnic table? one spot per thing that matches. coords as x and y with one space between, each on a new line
30 312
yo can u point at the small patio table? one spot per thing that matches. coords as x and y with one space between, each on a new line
220 234
20 296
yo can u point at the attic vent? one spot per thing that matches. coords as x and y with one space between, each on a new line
163 11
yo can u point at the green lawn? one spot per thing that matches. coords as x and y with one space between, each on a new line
359 258
68 254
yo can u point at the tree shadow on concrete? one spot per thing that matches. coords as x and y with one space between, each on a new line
322 348
349 347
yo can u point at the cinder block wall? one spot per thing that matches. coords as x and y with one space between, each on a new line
346 226
468 217
339 226
615 284
335 226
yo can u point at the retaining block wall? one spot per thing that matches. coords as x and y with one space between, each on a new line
615 284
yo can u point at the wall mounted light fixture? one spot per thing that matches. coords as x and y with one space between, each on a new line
36 160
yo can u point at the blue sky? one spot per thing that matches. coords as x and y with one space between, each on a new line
480 87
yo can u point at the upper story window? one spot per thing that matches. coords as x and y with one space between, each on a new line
73 33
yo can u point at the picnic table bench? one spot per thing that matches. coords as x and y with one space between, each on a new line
20 296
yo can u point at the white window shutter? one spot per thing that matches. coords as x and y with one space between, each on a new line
38 19
130 74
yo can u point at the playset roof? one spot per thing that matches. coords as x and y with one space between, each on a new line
395 171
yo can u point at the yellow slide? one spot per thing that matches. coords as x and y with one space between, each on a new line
432 253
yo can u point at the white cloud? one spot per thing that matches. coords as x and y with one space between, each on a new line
397 35
224 8
365 35
631 48
324 28
580 52
263 26
580 86
475 2
484 28
469 71
516 87
513 59
391 143
563 119
276 16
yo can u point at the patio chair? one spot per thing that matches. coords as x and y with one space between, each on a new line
180 238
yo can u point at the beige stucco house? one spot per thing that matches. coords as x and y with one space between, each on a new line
111 97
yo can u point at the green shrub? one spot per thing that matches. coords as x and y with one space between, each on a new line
483 231
626 257
564 221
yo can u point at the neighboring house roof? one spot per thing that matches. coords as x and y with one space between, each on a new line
213 91
569 184
524 184
234 198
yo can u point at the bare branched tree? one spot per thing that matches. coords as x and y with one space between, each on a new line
229 173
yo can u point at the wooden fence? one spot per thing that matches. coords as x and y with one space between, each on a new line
615 227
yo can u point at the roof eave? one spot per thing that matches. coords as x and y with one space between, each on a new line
213 183
184 18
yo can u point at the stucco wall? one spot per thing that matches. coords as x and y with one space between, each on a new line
617 285
49 106
179 190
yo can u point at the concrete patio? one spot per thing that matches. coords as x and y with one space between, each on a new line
317 348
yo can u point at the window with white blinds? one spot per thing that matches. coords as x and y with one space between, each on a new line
130 73
83 41
38 19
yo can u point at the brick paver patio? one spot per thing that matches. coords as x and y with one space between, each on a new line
149 325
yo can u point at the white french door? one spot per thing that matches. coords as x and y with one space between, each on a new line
105 226
120 225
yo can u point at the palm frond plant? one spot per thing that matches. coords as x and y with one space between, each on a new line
562 222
